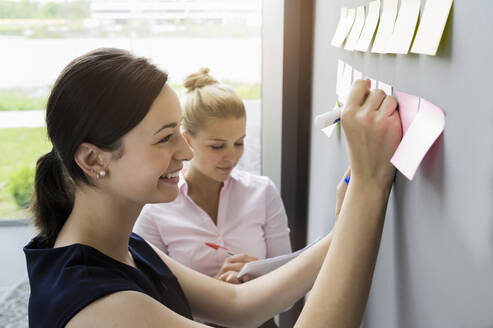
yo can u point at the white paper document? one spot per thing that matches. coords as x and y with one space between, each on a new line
261 267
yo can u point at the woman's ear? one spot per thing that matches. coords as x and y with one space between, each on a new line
92 160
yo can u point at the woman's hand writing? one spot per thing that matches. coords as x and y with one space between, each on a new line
373 131
231 266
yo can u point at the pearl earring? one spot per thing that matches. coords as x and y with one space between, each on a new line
100 174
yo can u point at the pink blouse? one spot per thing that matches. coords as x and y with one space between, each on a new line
251 219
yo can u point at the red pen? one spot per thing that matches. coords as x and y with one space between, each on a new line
218 247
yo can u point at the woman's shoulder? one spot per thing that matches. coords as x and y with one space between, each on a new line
66 279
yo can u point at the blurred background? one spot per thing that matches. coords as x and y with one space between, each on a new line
37 40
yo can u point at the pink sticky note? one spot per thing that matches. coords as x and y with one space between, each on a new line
385 87
426 127
408 107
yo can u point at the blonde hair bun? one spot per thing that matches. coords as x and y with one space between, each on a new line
199 79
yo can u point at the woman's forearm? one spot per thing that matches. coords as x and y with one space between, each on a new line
339 295
268 295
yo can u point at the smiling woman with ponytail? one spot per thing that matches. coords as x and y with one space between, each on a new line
91 92
115 128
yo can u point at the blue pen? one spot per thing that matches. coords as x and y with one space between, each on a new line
346 179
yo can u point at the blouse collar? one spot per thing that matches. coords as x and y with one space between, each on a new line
183 186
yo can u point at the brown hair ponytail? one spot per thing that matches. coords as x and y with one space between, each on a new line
53 198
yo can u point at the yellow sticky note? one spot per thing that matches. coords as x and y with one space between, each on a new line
386 26
431 26
404 27
359 21
340 25
369 27
343 27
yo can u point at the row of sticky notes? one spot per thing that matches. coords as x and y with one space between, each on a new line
422 122
396 28
346 75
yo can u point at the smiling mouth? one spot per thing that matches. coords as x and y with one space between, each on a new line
170 175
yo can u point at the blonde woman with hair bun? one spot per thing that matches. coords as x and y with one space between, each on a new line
222 205
217 203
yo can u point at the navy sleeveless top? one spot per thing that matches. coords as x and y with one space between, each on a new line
66 279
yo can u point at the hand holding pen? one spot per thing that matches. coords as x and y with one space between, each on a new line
232 265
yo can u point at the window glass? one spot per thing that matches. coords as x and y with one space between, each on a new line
38 38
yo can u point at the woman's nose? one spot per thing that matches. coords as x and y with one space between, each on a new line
184 152
230 154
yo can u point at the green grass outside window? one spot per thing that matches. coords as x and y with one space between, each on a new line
20 148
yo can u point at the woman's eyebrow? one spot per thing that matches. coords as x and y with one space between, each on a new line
218 139
166 126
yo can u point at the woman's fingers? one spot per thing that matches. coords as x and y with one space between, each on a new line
230 277
246 277
388 106
358 94
234 264
347 174
374 100
244 258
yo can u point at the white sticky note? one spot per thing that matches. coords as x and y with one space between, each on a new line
329 130
357 75
347 80
387 88
369 27
340 72
405 26
373 83
386 26
426 127
359 21
431 26
342 31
